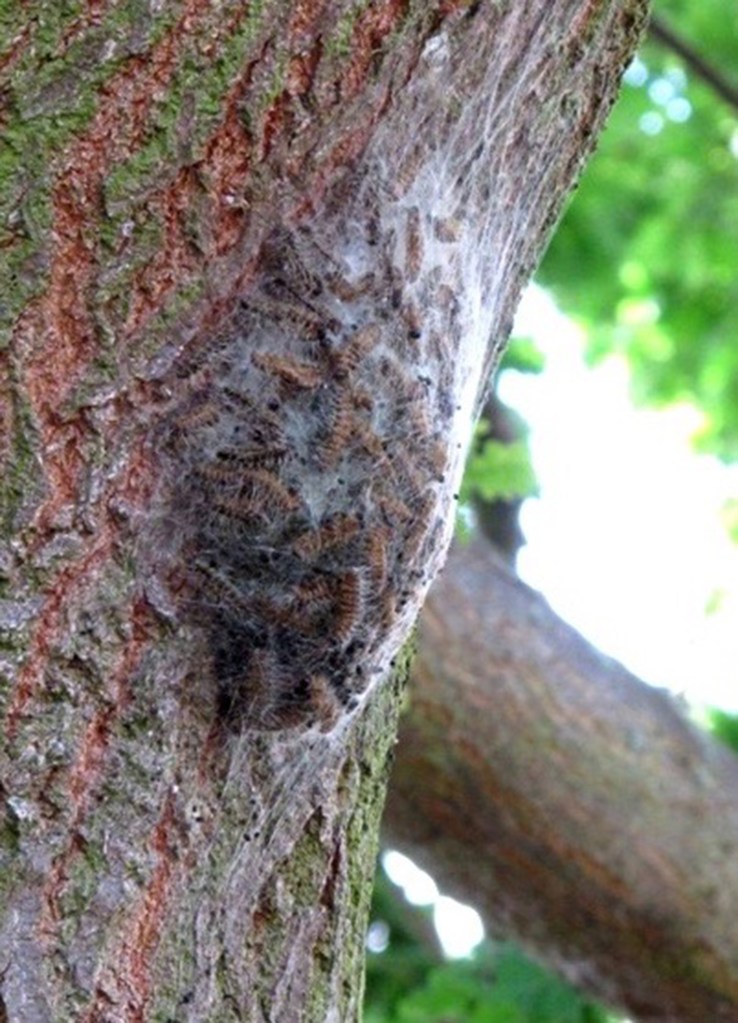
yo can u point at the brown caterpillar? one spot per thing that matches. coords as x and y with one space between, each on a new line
289 372
362 399
413 322
237 398
339 433
305 321
419 529
410 479
324 702
447 229
275 492
244 507
362 341
347 605
395 510
408 171
387 609
377 543
349 291
202 414
286 267
369 442
220 589
307 483
435 455
337 530
251 458
318 590
413 245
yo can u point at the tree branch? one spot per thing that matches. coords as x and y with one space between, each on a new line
190 821
573 804
664 34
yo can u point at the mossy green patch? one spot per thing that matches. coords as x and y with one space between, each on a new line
17 472
338 43
185 297
53 94
198 87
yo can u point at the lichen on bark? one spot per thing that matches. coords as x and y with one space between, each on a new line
142 871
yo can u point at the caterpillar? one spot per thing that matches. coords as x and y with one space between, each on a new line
304 464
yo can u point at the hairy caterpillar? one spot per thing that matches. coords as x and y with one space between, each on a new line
312 445
338 529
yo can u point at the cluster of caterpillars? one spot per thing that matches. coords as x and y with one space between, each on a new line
306 450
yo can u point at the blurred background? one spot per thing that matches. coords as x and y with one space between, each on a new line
608 451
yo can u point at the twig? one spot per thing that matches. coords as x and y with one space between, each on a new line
660 31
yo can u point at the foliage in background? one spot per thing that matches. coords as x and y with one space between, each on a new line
724 726
645 258
501 469
730 518
410 982
645 261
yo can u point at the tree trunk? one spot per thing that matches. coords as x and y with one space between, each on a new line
575 806
260 261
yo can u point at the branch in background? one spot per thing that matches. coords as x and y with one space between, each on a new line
499 520
661 32
574 805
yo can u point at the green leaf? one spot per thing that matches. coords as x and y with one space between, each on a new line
500 472
523 355
724 726
729 517
645 258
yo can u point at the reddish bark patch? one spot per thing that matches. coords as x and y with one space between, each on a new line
65 333
92 15
275 117
7 417
173 263
58 332
304 16
55 884
448 7
132 964
69 583
72 580
225 170
89 761
301 71
346 150
373 26
227 164
91 756
18 46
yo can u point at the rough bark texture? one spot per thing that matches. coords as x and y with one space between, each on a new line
159 862
574 805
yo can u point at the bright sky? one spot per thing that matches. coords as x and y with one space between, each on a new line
625 542
459 927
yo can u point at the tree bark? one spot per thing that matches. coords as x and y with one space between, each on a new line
575 806
187 182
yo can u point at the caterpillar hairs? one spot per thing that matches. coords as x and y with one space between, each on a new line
313 443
